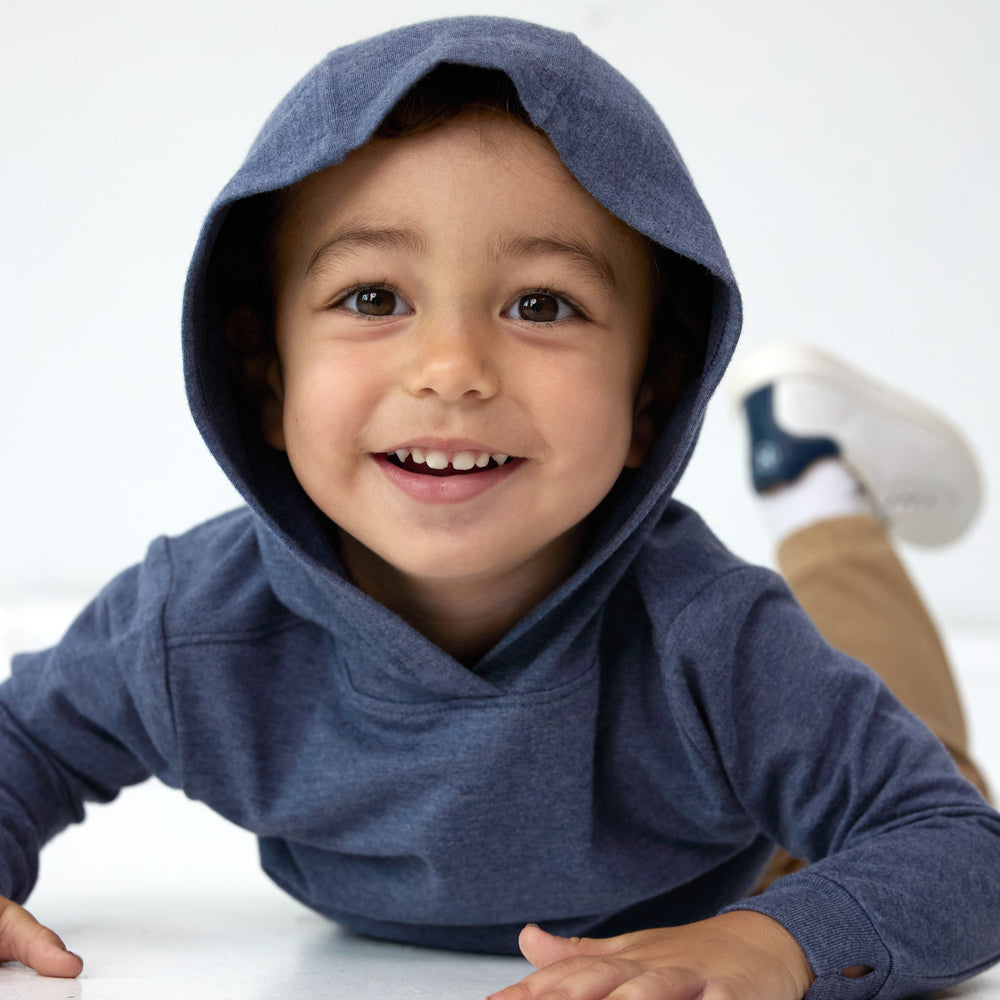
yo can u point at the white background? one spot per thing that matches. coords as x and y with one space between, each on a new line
849 153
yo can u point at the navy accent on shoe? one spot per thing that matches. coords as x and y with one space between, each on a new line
776 457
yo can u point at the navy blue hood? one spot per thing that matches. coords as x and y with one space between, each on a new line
608 136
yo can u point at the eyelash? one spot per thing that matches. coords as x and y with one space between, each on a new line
367 286
576 310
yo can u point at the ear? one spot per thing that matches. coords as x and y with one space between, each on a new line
643 428
255 363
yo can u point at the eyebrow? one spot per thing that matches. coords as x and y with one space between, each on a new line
588 261
347 241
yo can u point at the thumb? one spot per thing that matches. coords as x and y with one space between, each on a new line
23 939
542 948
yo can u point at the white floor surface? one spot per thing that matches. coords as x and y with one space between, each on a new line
165 901
249 947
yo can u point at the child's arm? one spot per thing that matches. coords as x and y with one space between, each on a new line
23 939
807 748
738 954
78 722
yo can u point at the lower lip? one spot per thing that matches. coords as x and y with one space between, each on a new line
446 489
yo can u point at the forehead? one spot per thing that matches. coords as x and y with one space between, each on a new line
481 177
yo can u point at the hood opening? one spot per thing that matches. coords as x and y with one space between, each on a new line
696 316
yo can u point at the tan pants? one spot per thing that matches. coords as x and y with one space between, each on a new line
848 578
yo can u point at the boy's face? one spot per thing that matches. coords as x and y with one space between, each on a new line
453 297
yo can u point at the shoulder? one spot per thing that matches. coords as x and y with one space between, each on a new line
684 573
722 630
731 638
217 584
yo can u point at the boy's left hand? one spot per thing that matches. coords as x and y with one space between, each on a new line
741 954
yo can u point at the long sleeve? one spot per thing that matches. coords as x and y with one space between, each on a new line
905 854
81 720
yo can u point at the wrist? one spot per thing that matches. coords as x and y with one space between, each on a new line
771 937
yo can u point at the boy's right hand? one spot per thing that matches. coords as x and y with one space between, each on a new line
23 939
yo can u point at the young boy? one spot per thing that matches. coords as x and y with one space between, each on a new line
462 663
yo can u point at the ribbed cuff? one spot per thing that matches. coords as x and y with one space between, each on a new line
832 929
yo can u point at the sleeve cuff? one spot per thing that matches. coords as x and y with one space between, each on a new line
832 929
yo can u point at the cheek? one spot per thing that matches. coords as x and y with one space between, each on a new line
325 398
591 410
311 399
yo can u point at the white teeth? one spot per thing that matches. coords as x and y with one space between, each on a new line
462 461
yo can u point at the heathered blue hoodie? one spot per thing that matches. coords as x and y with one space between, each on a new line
625 757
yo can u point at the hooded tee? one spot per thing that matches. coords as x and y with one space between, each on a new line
626 756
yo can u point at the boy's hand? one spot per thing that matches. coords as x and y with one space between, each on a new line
741 954
23 939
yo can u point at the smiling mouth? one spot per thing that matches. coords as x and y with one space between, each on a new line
428 462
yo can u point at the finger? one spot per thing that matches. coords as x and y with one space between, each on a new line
541 948
583 978
535 984
23 939
664 984
607 978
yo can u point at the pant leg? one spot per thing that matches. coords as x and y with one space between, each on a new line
847 576
850 581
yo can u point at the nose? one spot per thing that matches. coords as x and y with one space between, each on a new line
454 359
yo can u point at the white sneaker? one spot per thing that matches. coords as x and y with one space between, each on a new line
802 404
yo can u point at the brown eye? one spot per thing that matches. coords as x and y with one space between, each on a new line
538 308
373 301
376 302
